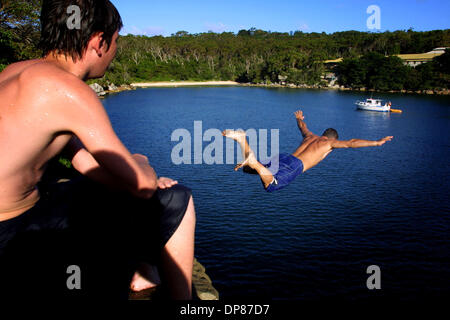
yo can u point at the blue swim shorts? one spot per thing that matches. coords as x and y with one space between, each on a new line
289 167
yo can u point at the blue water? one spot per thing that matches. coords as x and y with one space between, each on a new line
386 206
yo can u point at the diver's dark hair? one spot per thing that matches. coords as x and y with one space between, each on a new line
95 16
331 133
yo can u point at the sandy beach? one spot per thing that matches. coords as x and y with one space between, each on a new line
183 83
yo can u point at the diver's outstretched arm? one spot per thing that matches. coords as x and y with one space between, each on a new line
301 123
358 143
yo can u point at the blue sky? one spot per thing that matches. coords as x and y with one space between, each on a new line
153 17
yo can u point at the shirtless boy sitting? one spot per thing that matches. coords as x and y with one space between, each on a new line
284 168
45 107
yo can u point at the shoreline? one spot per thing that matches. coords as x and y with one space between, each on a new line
101 92
183 84
174 84
437 92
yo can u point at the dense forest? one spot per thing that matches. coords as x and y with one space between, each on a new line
253 55
375 71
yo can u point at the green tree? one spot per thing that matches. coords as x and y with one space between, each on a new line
352 73
251 55
442 62
19 29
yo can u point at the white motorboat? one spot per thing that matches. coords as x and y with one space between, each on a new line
373 105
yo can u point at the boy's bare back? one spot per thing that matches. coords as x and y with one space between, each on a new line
31 130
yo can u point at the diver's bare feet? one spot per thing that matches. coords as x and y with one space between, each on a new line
234 134
145 278
239 165
249 161
249 155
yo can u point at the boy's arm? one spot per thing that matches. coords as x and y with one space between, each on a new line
85 163
301 124
359 143
105 157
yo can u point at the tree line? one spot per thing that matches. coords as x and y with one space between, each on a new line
253 55
259 56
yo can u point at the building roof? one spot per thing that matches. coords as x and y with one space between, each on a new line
409 57
333 61
418 56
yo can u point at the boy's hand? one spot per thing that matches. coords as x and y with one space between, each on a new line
164 183
384 140
299 115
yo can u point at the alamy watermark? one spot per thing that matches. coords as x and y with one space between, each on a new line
191 149
374 20
374 281
74 279
74 20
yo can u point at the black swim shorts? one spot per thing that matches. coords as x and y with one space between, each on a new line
81 223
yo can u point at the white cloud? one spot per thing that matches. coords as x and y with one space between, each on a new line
303 27
148 31
215 27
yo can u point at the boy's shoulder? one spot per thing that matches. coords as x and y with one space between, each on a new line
44 87
49 83
44 74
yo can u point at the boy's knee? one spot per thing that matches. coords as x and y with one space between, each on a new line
181 194
175 198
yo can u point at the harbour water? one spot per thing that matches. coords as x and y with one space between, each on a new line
386 206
